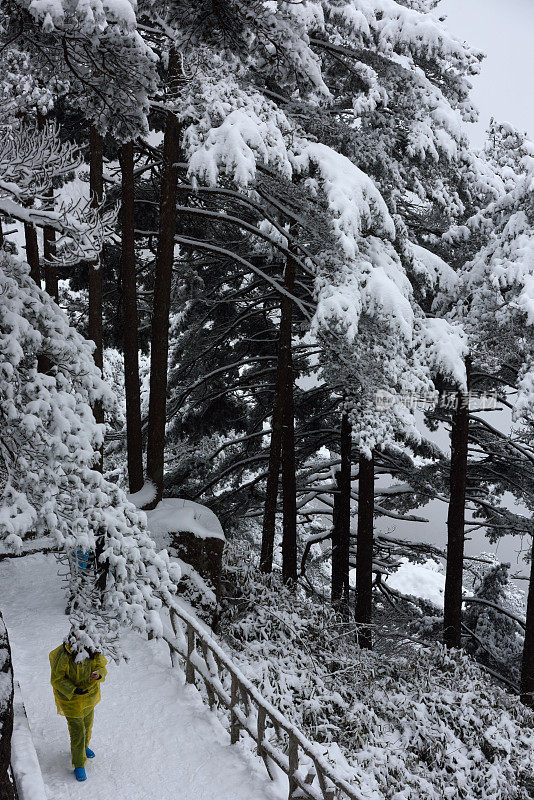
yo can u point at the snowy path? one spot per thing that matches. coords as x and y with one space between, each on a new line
154 739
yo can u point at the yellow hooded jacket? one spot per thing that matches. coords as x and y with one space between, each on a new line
68 675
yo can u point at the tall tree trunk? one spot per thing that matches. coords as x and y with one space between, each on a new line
341 529
32 257
32 252
452 617
96 183
130 323
49 251
157 412
364 551
289 484
283 367
1 234
527 667
49 238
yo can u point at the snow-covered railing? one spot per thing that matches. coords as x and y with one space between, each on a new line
310 776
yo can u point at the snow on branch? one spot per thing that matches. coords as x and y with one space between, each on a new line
89 50
93 16
235 131
31 159
444 348
374 284
356 205
82 228
395 29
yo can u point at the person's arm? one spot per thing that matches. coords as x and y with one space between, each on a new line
60 681
99 672
100 663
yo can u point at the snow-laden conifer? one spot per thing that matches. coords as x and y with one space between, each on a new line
48 447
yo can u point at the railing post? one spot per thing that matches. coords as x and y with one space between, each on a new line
261 731
310 777
207 684
172 655
189 668
234 723
172 616
267 748
293 764
328 791
261 738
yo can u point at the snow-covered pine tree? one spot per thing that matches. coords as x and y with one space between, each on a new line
91 54
49 438
497 639
496 301
227 45
418 148
48 447
88 60
423 162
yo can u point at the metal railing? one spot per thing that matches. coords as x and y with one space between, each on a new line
310 776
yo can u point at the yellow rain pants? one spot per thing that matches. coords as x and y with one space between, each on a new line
80 736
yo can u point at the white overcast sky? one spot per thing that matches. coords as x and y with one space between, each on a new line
504 30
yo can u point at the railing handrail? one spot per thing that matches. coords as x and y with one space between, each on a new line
242 687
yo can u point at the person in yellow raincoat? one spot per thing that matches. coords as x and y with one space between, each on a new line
76 686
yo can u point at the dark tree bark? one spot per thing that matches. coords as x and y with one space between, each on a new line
341 528
32 252
364 551
101 564
49 239
6 715
96 183
32 247
289 484
527 667
1 234
283 367
32 257
130 323
157 412
50 269
452 616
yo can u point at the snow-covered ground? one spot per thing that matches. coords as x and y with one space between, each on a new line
420 580
425 580
154 738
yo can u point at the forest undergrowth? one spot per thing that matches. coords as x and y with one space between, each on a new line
404 721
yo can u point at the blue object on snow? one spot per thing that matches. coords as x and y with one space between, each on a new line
80 773
89 753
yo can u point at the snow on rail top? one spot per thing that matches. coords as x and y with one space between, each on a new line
175 515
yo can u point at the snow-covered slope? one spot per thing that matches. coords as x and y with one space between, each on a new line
153 737
420 580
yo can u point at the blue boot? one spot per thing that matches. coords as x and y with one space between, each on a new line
89 753
79 772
